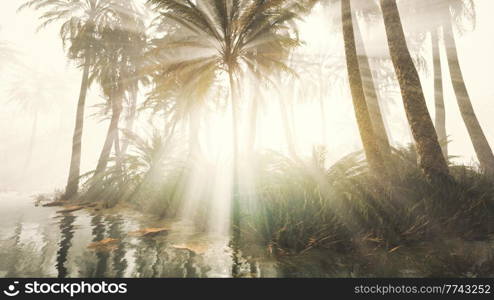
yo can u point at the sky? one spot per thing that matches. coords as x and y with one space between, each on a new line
41 53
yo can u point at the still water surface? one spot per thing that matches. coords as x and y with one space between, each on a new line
38 241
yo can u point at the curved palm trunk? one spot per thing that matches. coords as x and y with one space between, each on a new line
431 158
369 141
370 92
110 136
479 141
75 161
440 117
118 153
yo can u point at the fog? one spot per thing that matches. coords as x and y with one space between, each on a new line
39 80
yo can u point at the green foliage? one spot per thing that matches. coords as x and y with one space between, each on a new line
301 207
199 43
146 176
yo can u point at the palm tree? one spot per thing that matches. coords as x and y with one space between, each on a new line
429 151
369 139
440 111
433 27
136 67
7 55
369 86
80 22
454 14
369 12
236 37
364 90
287 94
445 16
116 71
35 92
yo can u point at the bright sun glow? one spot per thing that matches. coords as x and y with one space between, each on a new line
265 139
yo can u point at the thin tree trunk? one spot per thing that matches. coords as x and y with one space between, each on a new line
75 161
370 92
440 118
131 119
118 152
235 197
431 159
322 108
287 128
253 121
369 141
31 143
194 127
110 136
235 128
479 141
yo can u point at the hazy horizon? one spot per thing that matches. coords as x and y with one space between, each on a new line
41 52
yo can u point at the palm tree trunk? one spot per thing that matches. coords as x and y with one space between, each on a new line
194 127
31 143
130 119
75 161
370 92
235 198
479 141
118 152
369 141
287 128
235 127
431 158
440 118
253 121
110 136
324 122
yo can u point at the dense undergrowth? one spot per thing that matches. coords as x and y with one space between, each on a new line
294 206
303 207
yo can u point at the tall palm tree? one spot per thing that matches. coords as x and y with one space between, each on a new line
364 89
431 159
116 71
445 16
369 84
7 55
235 37
35 92
433 27
136 64
440 110
372 151
454 14
81 20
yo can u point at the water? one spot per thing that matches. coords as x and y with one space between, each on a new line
37 241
